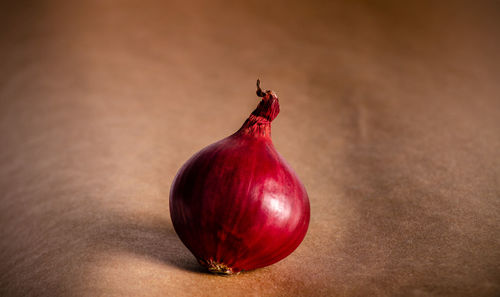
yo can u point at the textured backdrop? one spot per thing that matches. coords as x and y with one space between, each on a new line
390 114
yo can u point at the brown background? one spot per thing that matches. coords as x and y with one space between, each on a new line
390 116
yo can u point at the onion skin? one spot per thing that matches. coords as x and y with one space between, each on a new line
236 204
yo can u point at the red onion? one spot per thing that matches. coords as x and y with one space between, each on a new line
236 204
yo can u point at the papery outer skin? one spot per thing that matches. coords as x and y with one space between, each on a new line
238 203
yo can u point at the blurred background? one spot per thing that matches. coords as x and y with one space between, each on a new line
390 115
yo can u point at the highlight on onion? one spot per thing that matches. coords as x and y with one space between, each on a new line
237 205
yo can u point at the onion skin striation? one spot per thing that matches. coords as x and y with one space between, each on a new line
236 204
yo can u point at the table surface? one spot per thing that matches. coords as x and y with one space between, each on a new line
390 115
